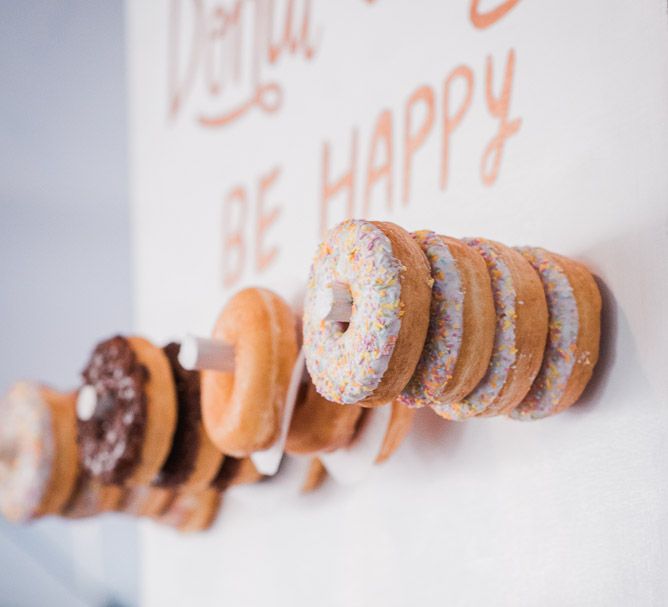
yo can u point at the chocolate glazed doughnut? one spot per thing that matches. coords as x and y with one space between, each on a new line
126 433
242 411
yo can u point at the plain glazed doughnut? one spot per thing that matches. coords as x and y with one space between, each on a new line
371 359
243 410
461 324
127 434
319 425
519 341
193 459
38 452
574 309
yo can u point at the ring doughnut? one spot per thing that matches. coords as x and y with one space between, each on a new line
319 425
126 411
520 333
242 411
193 459
574 309
461 324
371 359
38 452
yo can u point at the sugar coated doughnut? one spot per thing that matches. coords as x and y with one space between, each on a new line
38 454
370 359
126 411
520 333
193 459
319 425
461 324
574 308
242 411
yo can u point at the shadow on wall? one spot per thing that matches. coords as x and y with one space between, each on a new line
64 259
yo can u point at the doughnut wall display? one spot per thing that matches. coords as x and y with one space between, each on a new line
392 322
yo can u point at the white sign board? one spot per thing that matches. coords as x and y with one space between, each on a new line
255 125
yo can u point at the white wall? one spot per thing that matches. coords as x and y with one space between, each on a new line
64 257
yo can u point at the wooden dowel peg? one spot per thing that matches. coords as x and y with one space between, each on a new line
204 354
335 303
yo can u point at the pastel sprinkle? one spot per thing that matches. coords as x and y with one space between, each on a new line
441 351
27 451
550 384
504 352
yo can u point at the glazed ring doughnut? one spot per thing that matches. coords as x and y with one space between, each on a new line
38 452
193 460
243 410
127 411
319 425
519 341
574 308
371 359
461 324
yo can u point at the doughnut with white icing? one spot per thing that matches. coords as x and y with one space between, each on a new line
461 324
520 333
370 359
574 310
38 452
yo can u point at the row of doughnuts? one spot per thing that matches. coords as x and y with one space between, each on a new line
131 439
41 472
467 327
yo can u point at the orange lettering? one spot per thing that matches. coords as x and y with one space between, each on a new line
487 18
413 141
345 182
234 248
499 108
178 88
264 220
450 123
382 135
